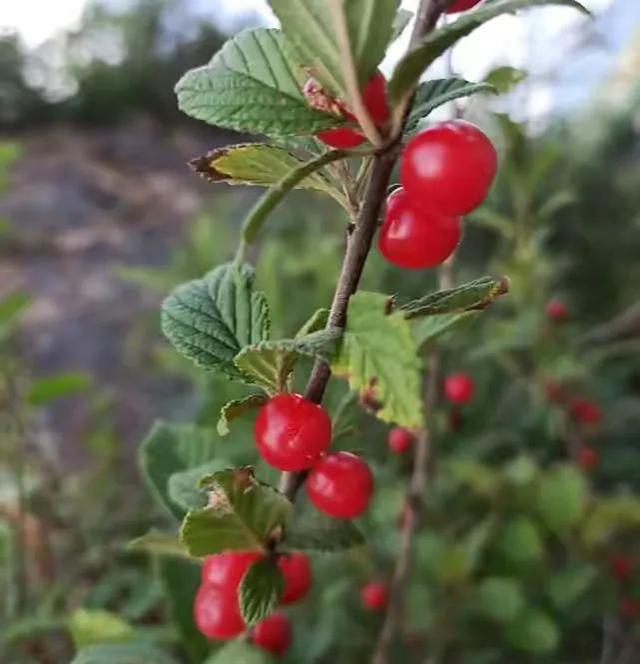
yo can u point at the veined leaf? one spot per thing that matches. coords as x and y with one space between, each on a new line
378 353
316 322
317 532
183 486
428 329
242 514
210 320
237 408
260 590
311 27
438 91
252 85
410 68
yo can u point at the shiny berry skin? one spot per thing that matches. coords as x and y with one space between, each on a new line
341 138
584 411
416 239
621 566
448 168
340 485
587 458
291 432
556 311
459 388
296 571
400 440
216 614
225 570
462 6
629 608
374 596
273 634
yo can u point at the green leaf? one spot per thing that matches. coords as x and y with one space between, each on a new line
473 296
438 91
255 164
316 322
534 632
252 85
183 486
57 386
240 652
378 351
158 543
562 498
236 408
310 26
568 586
171 448
520 541
499 599
123 653
410 68
210 320
12 306
400 22
505 78
260 590
609 517
242 514
318 532
270 363
88 627
428 329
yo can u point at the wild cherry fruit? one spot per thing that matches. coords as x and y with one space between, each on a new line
374 596
621 566
291 432
296 571
556 311
400 440
374 97
459 388
584 410
225 570
340 485
448 168
414 238
216 614
273 634
462 6
587 458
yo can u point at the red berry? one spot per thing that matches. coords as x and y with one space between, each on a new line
553 391
291 432
587 458
621 566
400 440
584 410
273 634
216 614
374 596
557 311
416 239
342 138
296 571
340 485
225 570
448 168
630 608
459 388
461 6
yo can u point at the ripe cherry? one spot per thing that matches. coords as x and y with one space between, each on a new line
621 566
291 432
340 485
448 168
216 614
587 458
459 388
374 596
400 440
557 311
462 5
273 634
374 97
296 571
584 410
416 239
225 570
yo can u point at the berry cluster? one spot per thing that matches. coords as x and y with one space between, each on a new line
217 609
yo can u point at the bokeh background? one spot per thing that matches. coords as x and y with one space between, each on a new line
100 217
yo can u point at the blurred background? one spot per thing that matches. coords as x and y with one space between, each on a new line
100 218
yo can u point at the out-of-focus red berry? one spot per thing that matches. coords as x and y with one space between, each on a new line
621 566
374 596
557 311
553 391
459 388
296 570
587 458
400 440
584 411
273 634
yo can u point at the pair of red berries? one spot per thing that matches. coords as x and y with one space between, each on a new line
293 434
217 610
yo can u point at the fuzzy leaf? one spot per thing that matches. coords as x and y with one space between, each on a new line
242 514
236 408
317 532
410 68
251 85
260 590
378 352
157 543
316 322
504 79
210 320
183 486
562 497
310 27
